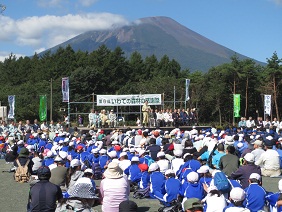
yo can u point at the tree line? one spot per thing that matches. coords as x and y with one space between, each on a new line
106 71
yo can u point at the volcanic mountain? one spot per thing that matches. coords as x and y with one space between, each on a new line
159 36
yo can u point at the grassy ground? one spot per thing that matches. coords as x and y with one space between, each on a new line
14 195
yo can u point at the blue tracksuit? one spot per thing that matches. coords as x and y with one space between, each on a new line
205 180
48 161
186 168
157 180
194 190
145 179
133 172
255 197
49 146
172 187
272 198
102 161
130 155
93 159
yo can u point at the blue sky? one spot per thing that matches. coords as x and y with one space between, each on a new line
249 27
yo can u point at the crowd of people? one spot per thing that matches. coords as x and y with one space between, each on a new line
203 169
151 118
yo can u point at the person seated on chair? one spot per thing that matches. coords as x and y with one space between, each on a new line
112 122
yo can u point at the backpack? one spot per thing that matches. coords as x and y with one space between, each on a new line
22 174
149 160
97 171
142 193
221 182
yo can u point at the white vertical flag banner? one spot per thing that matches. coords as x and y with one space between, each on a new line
11 101
267 104
187 83
65 89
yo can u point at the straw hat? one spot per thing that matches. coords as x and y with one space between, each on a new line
113 171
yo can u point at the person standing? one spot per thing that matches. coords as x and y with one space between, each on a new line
146 109
91 118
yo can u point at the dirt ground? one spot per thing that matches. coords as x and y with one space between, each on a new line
14 195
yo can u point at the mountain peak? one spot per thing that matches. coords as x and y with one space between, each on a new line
160 36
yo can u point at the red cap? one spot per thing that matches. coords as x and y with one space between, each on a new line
143 167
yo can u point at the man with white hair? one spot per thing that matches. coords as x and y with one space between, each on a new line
269 160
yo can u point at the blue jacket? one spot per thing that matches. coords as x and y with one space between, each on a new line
144 180
157 180
133 173
172 187
272 198
48 161
102 161
194 190
255 197
187 167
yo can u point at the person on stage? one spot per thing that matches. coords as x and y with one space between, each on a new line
146 109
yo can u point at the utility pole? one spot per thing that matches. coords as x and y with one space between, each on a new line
51 99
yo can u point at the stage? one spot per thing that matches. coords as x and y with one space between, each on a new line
85 130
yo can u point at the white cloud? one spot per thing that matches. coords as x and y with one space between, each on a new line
63 3
278 2
39 50
87 3
48 31
4 55
51 3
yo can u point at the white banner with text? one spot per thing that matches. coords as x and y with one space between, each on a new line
127 100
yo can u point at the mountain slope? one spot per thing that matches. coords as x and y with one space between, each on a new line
159 36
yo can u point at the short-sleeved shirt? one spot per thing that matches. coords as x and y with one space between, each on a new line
44 196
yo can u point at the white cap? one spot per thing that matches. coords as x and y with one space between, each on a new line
237 194
125 149
255 176
239 145
169 171
20 142
103 151
75 162
160 154
63 154
141 152
112 154
49 154
58 159
61 141
88 171
153 167
71 143
203 169
178 152
193 177
95 151
115 142
212 187
122 154
249 157
135 159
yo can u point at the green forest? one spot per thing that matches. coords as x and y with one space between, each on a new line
106 71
